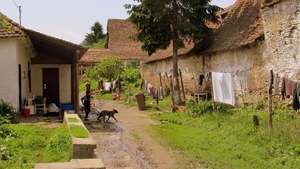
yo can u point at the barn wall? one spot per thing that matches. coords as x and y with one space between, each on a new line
245 65
281 29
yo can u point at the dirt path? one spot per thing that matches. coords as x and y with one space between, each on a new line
127 143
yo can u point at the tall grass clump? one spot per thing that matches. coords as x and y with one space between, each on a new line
227 138
21 146
60 143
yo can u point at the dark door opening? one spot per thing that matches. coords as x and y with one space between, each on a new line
51 85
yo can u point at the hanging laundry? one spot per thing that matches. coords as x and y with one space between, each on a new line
206 76
201 77
151 90
107 86
296 104
161 93
287 87
275 81
222 88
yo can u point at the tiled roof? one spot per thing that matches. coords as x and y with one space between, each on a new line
242 25
119 41
43 45
14 31
94 55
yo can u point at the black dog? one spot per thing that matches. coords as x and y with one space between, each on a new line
107 113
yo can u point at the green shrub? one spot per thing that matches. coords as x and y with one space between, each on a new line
7 113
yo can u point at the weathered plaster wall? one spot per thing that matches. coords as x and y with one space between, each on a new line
281 29
249 65
245 65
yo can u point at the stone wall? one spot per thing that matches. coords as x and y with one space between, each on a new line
249 65
245 64
281 29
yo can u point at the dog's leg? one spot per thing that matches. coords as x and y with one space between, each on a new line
107 118
104 119
114 117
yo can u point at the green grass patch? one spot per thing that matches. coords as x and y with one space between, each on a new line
228 138
79 131
104 96
136 135
21 146
73 119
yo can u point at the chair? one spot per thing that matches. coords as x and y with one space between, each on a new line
40 106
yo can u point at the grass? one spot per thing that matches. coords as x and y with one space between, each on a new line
228 138
25 145
73 119
79 131
136 135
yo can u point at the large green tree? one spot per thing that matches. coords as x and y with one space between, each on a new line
95 35
160 22
109 68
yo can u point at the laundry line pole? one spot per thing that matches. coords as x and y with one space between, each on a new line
270 99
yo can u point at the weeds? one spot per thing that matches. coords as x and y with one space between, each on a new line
228 139
7 113
25 145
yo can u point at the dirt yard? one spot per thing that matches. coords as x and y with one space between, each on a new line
127 143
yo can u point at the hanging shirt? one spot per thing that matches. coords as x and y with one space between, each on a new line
287 87
222 88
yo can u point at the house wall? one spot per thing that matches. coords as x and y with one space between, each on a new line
245 65
281 29
12 54
64 80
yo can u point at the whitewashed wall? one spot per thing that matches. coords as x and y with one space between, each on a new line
13 53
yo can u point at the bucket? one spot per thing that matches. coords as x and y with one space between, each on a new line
26 112
31 108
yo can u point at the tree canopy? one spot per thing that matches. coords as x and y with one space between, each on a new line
95 35
109 69
160 22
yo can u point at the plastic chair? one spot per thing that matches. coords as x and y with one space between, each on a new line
41 106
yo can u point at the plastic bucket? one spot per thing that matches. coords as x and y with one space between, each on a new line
26 112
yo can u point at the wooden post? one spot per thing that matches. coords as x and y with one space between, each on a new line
255 121
171 88
182 86
212 94
270 99
129 94
160 79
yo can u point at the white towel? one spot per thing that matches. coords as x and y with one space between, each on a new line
222 88
107 85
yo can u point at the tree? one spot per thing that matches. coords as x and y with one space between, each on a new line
95 35
109 68
158 22
4 23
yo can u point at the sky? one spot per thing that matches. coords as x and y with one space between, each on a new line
70 20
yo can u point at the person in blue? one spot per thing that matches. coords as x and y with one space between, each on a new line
86 103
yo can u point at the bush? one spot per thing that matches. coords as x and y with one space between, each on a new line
7 113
